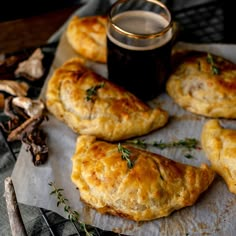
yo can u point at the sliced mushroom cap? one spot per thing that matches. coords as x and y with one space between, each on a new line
31 107
32 68
14 88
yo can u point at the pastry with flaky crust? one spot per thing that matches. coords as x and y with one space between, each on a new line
152 187
91 104
204 84
87 36
219 145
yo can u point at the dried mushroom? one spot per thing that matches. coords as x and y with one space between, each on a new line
24 125
8 65
14 120
14 88
24 115
32 68
31 107
2 100
33 137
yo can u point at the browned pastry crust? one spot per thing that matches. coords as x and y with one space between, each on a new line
111 113
204 84
87 35
153 188
219 145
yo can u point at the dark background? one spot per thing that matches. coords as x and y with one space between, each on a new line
15 9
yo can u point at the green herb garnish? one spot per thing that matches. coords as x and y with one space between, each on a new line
138 142
189 156
215 70
91 92
72 215
125 155
189 143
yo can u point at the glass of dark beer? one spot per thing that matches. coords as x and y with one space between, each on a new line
139 42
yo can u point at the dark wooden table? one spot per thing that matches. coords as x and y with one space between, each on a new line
31 31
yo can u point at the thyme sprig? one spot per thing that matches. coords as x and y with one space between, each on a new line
91 92
125 155
188 143
72 214
215 70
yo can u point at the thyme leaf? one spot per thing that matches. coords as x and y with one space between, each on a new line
72 214
138 142
125 155
210 60
189 156
215 70
91 92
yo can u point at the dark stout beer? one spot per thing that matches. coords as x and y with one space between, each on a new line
139 65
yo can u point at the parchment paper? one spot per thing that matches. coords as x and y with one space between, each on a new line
213 214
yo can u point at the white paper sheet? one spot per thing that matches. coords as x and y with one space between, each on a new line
213 214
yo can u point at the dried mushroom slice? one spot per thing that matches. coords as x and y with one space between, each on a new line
32 68
14 88
2 101
30 134
30 106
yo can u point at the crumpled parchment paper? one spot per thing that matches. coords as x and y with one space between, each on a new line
213 214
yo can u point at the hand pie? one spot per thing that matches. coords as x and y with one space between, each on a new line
204 84
91 104
219 145
87 36
152 187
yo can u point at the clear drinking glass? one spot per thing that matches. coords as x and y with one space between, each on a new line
139 42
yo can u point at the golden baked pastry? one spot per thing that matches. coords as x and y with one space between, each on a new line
87 36
219 145
204 84
152 187
91 104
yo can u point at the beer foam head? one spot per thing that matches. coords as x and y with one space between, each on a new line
142 23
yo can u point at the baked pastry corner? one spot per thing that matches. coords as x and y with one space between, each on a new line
219 145
87 36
